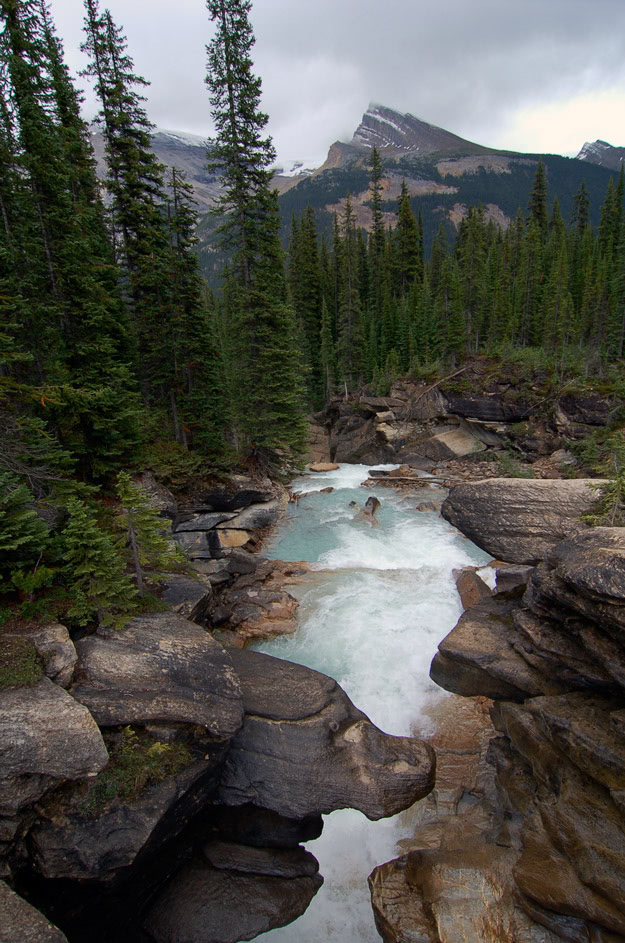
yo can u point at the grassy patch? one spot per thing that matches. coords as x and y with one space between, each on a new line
20 665
135 762
510 468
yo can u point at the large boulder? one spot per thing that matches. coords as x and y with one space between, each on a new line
46 739
232 893
480 656
55 649
92 845
519 520
456 442
304 748
21 923
160 669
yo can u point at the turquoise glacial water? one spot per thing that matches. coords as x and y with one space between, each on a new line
371 616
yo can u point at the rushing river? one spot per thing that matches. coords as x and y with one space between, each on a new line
371 616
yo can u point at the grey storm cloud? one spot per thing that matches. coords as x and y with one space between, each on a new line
467 66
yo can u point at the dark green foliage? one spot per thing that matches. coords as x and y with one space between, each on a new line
538 284
20 665
143 529
135 762
23 535
609 510
94 569
264 374
65 329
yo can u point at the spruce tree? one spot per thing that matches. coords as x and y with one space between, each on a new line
73 321
268 396
537 206
95 569
409 263
143 529
23 535
351 340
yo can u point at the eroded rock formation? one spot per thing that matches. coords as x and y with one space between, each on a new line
211 853
547 858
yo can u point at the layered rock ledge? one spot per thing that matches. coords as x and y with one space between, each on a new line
269 747
547 858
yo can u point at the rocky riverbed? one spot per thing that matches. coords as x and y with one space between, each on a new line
524 836
105 847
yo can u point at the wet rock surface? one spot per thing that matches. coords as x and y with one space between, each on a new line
558 808
304 748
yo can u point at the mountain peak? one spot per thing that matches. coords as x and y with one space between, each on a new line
385 128
602 153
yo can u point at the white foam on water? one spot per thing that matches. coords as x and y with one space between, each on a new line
372 621
345 476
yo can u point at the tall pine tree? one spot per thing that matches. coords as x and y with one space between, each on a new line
268 394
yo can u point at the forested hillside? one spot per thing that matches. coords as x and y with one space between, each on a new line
116 357
372 307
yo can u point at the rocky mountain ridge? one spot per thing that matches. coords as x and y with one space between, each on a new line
602 153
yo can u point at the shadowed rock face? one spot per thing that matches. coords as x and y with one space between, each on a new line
234 897
305 749
556 667
519 520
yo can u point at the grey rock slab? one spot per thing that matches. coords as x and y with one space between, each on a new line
520 520
206 905
159 669
255 517
46 737
304 748
186 596
200 522
20 922
192 541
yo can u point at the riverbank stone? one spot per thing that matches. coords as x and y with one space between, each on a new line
304 749
159 669
520 520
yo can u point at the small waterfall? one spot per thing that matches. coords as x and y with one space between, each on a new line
371 616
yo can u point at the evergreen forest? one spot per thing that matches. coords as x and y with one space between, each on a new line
115 357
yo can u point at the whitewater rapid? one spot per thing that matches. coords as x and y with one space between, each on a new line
370 616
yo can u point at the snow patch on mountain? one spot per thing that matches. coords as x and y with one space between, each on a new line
294 167
180 137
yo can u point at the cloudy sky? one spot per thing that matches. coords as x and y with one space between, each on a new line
529 75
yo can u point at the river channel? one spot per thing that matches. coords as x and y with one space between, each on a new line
370 615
